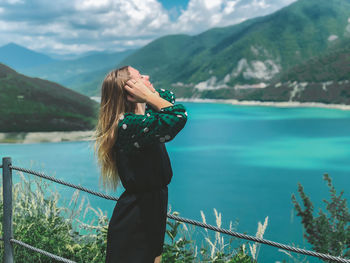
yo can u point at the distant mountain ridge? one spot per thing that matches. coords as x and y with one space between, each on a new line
32 104
74 73
242 61
65 70
20 58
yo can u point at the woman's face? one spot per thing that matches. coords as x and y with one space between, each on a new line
135 74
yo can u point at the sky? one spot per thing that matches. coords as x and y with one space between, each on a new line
64 27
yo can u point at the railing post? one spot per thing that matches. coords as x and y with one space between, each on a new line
7 219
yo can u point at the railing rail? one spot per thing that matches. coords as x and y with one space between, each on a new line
8 238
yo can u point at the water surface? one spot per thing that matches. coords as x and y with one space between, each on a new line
245 161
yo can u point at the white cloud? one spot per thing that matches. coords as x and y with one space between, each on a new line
132 43
92 4
59 47
10 27
78 26
204 14
260 4
12 2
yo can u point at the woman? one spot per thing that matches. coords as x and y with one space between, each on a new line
135 122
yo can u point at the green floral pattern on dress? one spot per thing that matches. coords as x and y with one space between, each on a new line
136 131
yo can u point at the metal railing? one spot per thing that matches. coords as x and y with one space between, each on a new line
8 238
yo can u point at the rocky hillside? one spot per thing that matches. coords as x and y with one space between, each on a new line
323 79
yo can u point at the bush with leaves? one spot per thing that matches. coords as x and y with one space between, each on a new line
328 232
184 248
40 222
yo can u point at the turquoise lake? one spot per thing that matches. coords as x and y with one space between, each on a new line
245 161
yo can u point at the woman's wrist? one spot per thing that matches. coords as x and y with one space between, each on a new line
157 102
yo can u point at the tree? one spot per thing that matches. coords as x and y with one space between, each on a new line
328 232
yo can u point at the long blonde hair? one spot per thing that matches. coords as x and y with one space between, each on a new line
114 103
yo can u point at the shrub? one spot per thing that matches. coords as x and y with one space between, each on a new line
40 222
329 232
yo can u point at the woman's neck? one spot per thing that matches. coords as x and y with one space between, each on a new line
140 108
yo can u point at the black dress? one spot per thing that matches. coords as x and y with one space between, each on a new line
136 229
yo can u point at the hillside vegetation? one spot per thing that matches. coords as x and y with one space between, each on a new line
334 65
32 104
255 51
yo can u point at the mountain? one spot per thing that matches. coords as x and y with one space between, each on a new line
77 73
240 61
20 58
32 104
73 56
81 74
323 79
88 83
334 65
251 53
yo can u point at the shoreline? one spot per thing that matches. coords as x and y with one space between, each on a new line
41 137
62 136
282 104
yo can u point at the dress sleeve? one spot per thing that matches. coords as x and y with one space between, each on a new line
136 131
167 95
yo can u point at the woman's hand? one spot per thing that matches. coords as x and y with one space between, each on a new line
152 89
138 92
